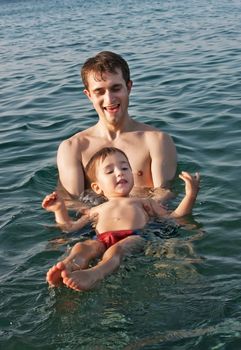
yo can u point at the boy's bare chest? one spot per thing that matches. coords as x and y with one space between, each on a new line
123 215
121 209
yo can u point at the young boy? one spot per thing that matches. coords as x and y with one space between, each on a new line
116 221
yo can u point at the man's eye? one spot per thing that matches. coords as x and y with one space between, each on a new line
116 88
99 92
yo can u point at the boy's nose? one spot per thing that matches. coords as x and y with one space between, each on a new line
118 172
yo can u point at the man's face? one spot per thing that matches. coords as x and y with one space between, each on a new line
109 94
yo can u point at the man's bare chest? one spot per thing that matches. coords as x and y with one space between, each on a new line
135 149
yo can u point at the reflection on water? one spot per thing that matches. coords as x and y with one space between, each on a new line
204 337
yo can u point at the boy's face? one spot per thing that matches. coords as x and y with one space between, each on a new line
110 96
114 176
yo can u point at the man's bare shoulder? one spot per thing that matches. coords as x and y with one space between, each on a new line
138 126
78 140
149 131
79 136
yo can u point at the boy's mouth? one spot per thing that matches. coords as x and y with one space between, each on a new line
121 182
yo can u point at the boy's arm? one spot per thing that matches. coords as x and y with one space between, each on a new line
55 203
90 216
191 189
154 208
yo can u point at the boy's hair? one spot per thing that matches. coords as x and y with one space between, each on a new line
105 61
90 169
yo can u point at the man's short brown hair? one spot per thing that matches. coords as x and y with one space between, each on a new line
105 61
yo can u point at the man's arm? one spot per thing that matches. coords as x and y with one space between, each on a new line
70 169
163 164
163 159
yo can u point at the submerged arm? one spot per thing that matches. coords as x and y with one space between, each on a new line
154 208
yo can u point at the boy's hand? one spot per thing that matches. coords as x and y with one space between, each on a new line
192 183
52 202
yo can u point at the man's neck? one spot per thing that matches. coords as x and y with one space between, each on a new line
112 131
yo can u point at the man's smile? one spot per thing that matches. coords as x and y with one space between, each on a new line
112 108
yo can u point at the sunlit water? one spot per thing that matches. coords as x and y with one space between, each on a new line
185 58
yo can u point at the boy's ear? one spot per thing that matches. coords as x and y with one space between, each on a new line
96 188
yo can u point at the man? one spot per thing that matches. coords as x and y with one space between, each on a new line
152 153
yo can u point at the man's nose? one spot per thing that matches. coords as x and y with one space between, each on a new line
109 97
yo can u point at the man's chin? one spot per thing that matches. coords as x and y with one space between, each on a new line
113 119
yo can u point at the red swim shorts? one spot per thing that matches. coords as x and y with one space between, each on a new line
111 237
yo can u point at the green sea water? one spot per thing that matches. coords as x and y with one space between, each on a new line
184 292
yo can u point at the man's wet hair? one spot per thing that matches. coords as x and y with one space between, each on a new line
104 62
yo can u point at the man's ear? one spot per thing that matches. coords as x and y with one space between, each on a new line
129 85
96 188
87 93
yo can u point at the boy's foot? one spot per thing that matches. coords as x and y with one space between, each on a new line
74 261
53 276
80 280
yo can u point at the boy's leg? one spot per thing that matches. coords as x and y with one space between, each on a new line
87 279
78 258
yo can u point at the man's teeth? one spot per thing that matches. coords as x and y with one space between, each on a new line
111 108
